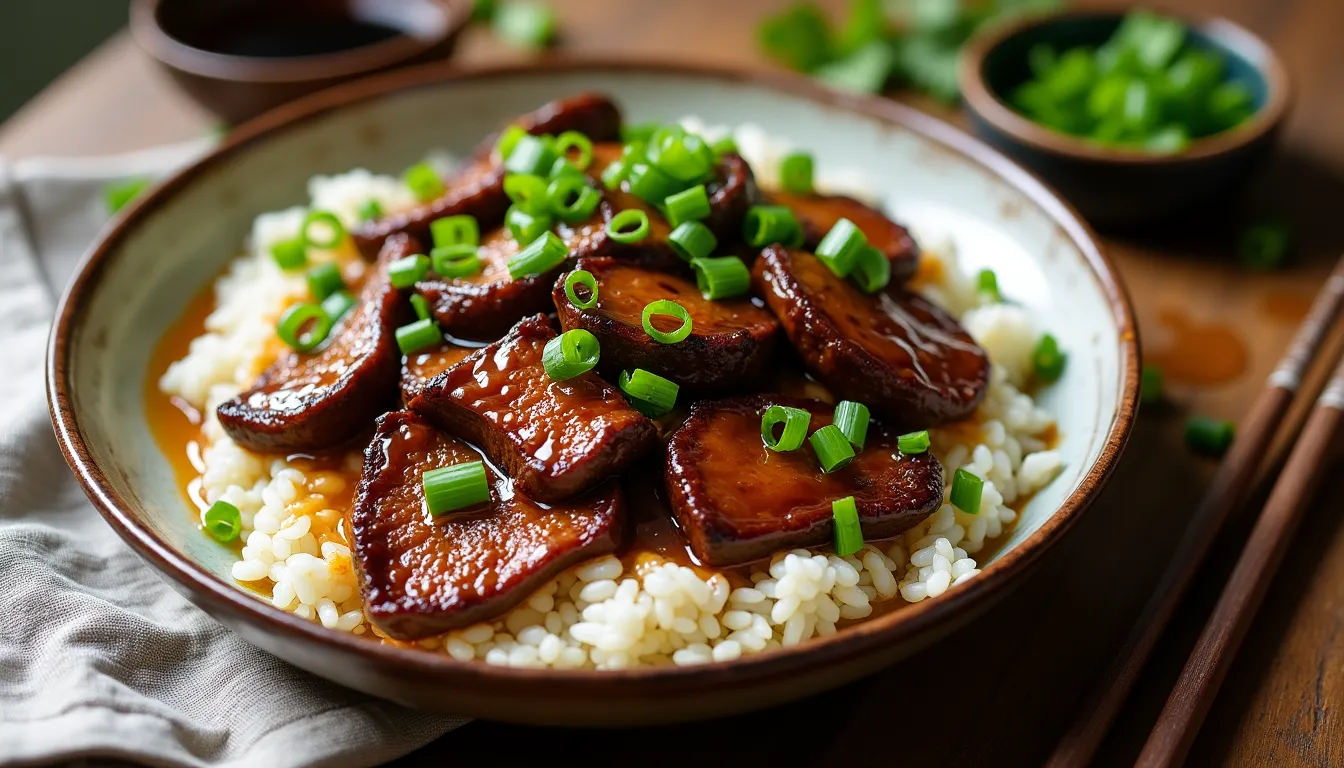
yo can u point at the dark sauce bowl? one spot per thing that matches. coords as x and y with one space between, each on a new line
1113 187
240 58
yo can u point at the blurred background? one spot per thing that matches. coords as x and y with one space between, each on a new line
48 36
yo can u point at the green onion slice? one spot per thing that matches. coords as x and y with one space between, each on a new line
687 205
641 132
724 146
324 280
848 533
539 257
526 227
966 491
840 248
692 240
914 442
508 139
852 419
524 24
459 486
615 173
650 184
1264 245
421 305
423 181
681 155
316 222
585 278
668 308
337 304
421 334
304 326
725 277
832 448
456 260
1209 437
577 143
766 224
629 226
987 283
795 421
408 270
222 521
370 210
455 230
1150 385
572 199
570 354
527 192
290 254
648 393
872 270
119 194
1047 360
795 173
530 154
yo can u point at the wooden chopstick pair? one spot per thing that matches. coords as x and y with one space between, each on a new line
1204 671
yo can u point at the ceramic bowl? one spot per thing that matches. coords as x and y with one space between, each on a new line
138 279
180 35
1118 188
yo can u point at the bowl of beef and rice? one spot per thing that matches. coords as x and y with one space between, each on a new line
594 394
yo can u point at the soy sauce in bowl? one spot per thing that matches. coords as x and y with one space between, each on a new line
282 38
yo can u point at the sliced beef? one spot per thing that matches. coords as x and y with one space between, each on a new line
314 401
423 576
729 346
818 213
738 501
418 369
556 439
898 354
477 189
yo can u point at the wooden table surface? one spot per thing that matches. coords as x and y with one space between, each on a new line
1000 691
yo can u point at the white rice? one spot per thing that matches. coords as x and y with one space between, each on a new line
602 613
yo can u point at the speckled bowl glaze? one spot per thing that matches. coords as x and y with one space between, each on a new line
140 275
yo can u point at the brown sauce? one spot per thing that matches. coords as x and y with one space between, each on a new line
1194 352
1287 307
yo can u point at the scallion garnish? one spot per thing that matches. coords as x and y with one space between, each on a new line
725 277
580 145
370 210
914 442
531 155
832 448
539 257
629 226
648 393
1264 245
724 146
791 437
795 173
408 270
1150 385
524 24
1047 360
119 193
315 223
987 283
456 260
222 521
304 326
573 352
291 253
337 304
421 334
766 224
585 278
687 205
508 139
526 227
324 280
667 308
681 155
967 490
848 533
423 181
1209 437
640 132
615 173
421 305
840 248
455 487
852 419
572 199
692 240
528 192
650 184
872 270
455 230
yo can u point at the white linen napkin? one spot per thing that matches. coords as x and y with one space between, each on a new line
98 656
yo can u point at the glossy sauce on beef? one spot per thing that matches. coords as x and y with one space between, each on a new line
419 368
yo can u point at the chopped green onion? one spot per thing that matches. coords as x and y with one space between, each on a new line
580 144
290 327
723 278
370 210
872 270
681 155
640 132
650 184
1209 437
528 192
840 248
408 270
508 139
539 257
223 521
987 283
848 534
687 205
455 487
629 226
1264 245
572 199
795 173
913 442
581 277
421 334
324 280
290 254
668 308
455 230
791 437
524 24
561 168
724 146
119 193
852 419
421 305
423 181
648 393
766 224
967 491
1047 361
615 173
526 227
570 354
337 304
531 155
868 69
323 220
799 37
456 260
1150 385
692 240
483 10
832 448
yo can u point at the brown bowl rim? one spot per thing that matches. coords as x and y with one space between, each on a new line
453 18
984 102
220 597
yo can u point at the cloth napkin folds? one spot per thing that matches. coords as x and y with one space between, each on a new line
98 656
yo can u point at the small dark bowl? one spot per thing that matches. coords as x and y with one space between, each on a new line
240 58
1113 187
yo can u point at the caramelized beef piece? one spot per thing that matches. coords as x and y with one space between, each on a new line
738 501
485 305
818 213
477 189
307 402
893 351
423 576
730 342
418 369
555 438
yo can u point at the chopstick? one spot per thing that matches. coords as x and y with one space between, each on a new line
1229 488
1204 671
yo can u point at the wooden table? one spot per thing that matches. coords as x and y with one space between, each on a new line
1000 691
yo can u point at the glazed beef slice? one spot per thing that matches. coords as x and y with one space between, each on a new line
818 213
